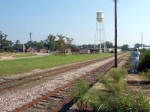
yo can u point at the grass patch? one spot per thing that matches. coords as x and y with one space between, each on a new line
11 67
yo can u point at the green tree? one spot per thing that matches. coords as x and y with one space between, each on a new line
63 43
125 47
137 45
50 42
109 44
4 43
38 45
17 45
73 46
28 44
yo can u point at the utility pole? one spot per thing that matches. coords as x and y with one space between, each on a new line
115 1
31 42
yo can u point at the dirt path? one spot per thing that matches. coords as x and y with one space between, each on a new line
6 57
3 58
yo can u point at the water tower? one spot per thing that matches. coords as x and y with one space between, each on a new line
100 33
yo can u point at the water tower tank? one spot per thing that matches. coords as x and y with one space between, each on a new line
100 16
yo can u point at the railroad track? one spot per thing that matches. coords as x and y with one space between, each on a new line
57 99
7 85
19 97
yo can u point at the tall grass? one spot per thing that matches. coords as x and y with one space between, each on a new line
81 87
146 74
113 81
117 97
128 64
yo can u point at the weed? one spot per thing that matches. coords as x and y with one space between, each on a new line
114 80
146 74
81 88
116 98
124 102
117 74
128 63
50 107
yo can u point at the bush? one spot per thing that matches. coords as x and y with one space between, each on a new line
113 81
146 74
128 64
11 49
1 50
90 100
117 74
107 102
144 64
81 87
124 102
116 98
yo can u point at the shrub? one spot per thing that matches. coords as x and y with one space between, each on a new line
113 81
116 98
144 64
104 79
1 50
92 99
81 87
128 64
146 74
117 74
124 102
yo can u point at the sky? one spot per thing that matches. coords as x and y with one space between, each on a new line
75 19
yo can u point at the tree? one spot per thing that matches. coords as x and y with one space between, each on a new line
40 45
27 44
4 43
36 45
17 45
137 45
109 44
125 47
2 40
62 43
50 42
73 46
